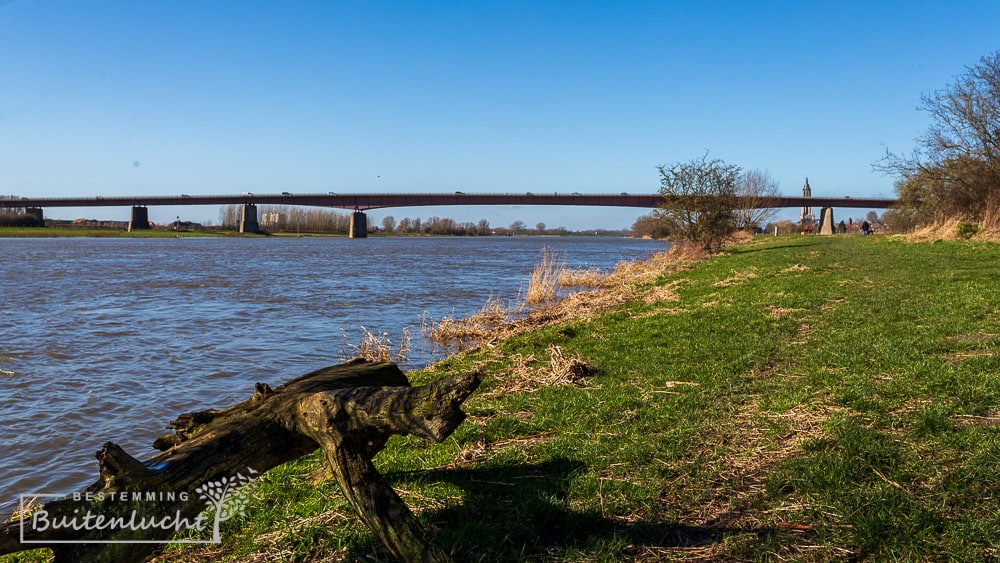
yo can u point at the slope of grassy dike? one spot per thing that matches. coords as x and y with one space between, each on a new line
797 398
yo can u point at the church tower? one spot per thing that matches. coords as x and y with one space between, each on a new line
806 216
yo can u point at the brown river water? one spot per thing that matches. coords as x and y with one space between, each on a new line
110 339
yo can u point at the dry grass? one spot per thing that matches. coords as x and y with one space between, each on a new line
379 348
629 280
527 373
751 455
970 421
795 268
735 279
545 279
459 334
29 507
678 257
990 227
632 271
947 228
779 312
582 277
943 229
482 449
664 293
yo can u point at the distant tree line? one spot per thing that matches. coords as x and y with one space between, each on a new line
283 218
277 218
446 226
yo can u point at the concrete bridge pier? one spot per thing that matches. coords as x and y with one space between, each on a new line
36 214
248 219
359 225
140 218
826 221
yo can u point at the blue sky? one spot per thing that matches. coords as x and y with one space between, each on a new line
141 97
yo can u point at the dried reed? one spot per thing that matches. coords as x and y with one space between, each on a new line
379 348
545 279
461 333
991 219
950 227
581 277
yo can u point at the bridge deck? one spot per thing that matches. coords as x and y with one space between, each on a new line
363 201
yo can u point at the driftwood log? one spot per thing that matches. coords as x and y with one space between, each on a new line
350 410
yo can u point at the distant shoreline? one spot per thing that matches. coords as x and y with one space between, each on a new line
99 232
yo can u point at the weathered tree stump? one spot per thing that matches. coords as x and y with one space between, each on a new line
350 410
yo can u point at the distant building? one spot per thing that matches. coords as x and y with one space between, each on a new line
806 217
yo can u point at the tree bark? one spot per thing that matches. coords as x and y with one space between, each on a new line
350 410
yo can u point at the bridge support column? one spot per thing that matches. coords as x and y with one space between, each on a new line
359 225
140 218
36 214
826 221
248 219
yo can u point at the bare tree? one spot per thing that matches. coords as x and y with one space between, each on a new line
229 215
699 198
754 186
388 223
955 168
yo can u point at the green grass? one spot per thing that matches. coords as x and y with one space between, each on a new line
806 398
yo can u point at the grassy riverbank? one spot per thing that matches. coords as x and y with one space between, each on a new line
798 398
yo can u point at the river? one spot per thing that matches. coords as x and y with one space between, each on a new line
110 339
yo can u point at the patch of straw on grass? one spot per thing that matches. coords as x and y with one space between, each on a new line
482 449
735 279
795 268
664 293
528 373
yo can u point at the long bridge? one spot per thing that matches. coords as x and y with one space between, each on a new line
360 202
